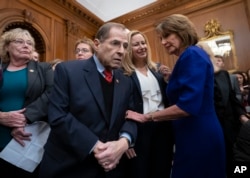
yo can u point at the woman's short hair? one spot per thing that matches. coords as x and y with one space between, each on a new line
87 41
10 36
179 25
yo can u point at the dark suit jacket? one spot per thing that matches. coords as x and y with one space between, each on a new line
236 87
40 82
242 145
78 120
154 145
228 107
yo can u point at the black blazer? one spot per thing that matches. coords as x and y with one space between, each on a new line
40 82
154 144
228 107
78 119
242 145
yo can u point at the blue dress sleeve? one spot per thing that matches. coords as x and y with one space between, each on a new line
191 74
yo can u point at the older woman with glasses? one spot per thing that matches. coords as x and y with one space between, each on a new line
24 91
84 48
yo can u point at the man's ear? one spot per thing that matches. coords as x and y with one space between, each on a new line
96 44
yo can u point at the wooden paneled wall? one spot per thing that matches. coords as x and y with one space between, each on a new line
57 24
232 14
58 27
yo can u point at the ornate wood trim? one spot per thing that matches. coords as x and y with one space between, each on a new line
72 28
213 28
17 18
76 9
28 16
221 43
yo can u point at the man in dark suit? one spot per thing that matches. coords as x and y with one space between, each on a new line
219 62
229 109
88 131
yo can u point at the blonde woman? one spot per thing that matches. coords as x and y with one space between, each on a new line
154 145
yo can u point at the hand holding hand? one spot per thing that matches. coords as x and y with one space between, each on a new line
108 154
13 118
20 135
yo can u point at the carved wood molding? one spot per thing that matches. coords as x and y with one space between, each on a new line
77 10
163 6
154 8
28 16
160 6
213 28
72 28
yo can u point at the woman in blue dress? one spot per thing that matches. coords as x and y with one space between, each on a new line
200 149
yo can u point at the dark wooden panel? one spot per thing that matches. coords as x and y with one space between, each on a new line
61 22
60 41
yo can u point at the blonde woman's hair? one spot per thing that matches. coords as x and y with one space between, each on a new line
128 63
55 61
8 37
208 50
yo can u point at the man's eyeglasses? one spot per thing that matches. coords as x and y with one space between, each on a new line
83 50
22 42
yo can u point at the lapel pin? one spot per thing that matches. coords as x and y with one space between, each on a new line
31 70
117 81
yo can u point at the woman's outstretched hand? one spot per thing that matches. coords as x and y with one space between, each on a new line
136 116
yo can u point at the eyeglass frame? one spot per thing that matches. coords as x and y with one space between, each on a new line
83 50
21 42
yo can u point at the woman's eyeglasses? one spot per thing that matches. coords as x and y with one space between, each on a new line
83 50
22 42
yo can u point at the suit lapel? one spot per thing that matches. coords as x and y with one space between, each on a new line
136 81
91 76
222 85
32 75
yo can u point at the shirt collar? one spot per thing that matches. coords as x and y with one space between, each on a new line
99 65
